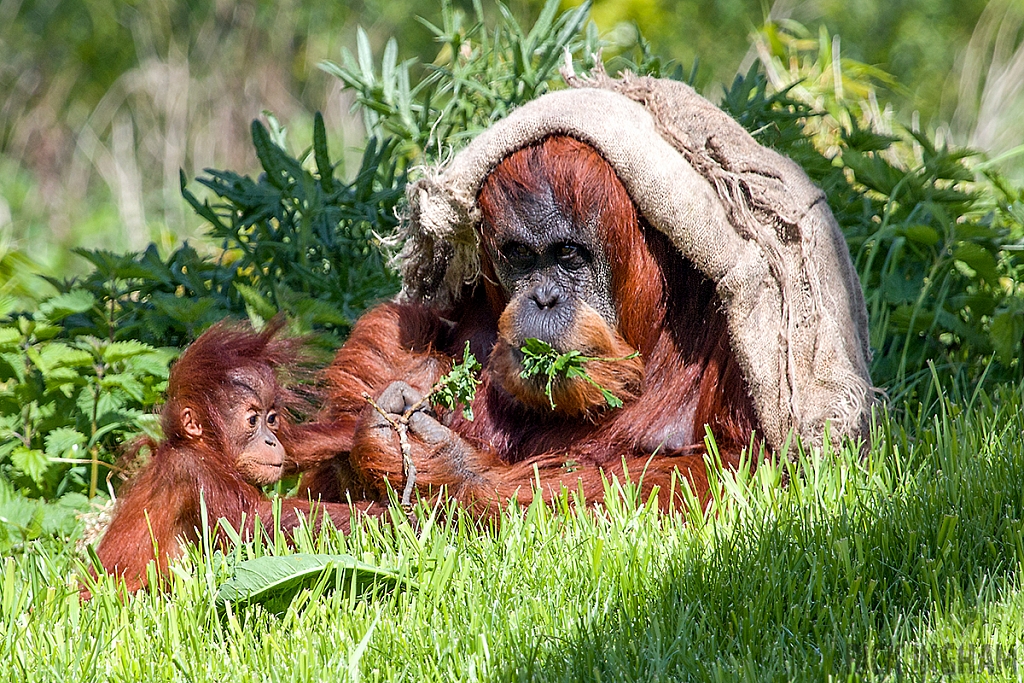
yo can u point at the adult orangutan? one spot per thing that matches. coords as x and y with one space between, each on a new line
566 259
225 409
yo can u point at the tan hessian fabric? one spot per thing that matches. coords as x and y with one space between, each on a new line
747 217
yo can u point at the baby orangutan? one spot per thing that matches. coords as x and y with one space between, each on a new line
221 421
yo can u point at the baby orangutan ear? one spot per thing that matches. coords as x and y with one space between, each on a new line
190 423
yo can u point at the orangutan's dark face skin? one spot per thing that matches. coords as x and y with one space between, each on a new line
550 265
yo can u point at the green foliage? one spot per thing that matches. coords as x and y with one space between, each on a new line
305 241
478 77
459 385
872 558
274 581
26 520
66 403
541 359
936 245
162 302
293 240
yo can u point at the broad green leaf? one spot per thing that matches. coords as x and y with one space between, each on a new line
48 357
12 365
10 338
65 380
274 581
7 305
1006 333
980 260
123 350
61 516
107 402
65 442
61 306
21 519
31 461
611 399
126 383
922 234
150 425
43 331
155 363
185 310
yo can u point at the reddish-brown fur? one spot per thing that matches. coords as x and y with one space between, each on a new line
160 507
686 376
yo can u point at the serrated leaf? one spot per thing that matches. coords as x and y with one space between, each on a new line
61 306
155 363
108 402
47 357
44 331
186 311
873 171
121 350
7 305
149 424
12 365
10 338
62 442
274 581
259 303
31 461
125 382
281 169
65 380
611 399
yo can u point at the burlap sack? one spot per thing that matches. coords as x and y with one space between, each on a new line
747 217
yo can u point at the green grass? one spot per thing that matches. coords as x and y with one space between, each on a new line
900 563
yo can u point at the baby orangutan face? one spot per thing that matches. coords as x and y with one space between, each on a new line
250 417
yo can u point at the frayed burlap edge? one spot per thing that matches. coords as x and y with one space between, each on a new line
746 216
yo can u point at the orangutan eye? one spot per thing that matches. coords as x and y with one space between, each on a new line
272 420
253 419
518 254
571 255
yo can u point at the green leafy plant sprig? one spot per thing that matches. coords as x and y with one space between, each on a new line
457 386
541 359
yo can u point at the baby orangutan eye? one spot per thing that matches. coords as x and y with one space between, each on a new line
253 419
272 420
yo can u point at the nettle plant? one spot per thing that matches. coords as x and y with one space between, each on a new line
67 404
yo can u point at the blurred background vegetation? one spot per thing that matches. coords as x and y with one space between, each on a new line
102 102
120 242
